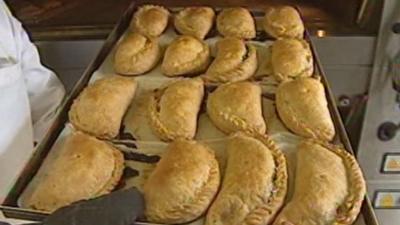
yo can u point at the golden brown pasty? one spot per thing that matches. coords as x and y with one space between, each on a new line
150 20
329 187
291 58
236 107
236 22
186 55
235 61
254 185
83 168
136 54
283 22
99 108
183 184
302 106
173 110
195 21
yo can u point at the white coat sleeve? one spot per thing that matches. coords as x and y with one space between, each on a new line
16 133
45 91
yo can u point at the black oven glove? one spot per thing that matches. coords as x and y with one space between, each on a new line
120 207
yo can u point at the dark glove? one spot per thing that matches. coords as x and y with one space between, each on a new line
120 207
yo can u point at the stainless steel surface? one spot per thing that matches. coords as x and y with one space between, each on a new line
375 154
347 62
351 50
68 59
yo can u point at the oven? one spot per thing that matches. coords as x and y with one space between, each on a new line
379 147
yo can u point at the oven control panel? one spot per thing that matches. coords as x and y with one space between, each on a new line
379 146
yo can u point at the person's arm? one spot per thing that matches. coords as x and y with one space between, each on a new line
45 91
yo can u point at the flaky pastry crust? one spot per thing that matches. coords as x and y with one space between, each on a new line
136 54
236 107
254 185
235 61
100 107
236 22
186 55
328 191
291 58
303 108
195 21
283 22
84 168
173 110
183 184
150 20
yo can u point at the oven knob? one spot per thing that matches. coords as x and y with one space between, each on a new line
387 131
396 28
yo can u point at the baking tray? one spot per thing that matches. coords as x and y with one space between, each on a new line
9 206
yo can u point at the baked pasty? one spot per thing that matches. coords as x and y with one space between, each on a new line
136 54
173 110
99 108
235 61
302 106
183 184
291 58
329 187
83 168
236 22
283 22
195 21
254 185
150 20
236 107
185 55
